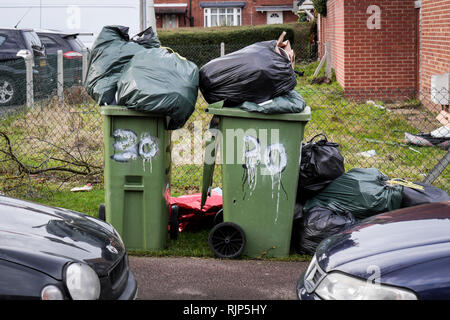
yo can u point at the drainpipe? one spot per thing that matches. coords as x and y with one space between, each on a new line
143 15
151 19
191 19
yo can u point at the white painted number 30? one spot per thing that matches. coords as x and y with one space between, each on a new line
127 146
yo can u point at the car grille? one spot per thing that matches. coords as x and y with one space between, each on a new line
313 276
114 283
116 273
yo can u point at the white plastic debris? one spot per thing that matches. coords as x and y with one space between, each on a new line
442 132
368 154
375 104
87 187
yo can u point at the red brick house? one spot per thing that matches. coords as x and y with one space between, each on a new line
207 13
387 45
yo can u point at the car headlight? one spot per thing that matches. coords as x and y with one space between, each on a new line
51 292
337 286
82 282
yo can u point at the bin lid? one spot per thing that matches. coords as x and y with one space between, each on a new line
218 109
123 111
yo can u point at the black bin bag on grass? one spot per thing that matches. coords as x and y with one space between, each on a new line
317 224
256 73
111 52
362 192
159 81
321 163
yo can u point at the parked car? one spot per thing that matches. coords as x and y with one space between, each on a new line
14 45
72 49
57 254
399 255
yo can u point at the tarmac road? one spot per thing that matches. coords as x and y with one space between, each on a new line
214 279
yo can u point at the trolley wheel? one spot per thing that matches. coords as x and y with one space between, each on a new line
102 212
218 217
174 223
227 240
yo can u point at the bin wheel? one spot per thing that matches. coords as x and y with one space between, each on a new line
227 240
174 223
218 217
102 212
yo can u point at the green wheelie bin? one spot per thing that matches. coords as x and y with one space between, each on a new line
137 176
260 158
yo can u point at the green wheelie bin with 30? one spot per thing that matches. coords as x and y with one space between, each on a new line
137 176
260 158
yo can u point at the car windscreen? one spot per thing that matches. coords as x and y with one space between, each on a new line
2 39
32 39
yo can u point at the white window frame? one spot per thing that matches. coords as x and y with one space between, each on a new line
237 12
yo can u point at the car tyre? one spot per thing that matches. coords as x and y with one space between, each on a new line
227 240
9 92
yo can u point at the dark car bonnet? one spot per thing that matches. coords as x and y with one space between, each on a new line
390 241
46 238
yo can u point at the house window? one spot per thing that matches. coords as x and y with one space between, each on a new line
170 21
218 17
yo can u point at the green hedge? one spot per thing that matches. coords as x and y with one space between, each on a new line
203 44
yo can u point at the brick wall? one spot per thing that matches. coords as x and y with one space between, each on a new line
372 59
435 42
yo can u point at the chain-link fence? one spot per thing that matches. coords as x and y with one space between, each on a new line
57 140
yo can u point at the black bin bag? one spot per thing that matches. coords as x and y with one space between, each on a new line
291 102
256 73
159 81
111 52
414 197
362 192
320 164
317 224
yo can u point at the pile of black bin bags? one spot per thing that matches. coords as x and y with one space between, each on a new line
330 200
139 74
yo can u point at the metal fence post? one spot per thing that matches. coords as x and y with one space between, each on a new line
29 62
222 49
438 169
84 66
60 67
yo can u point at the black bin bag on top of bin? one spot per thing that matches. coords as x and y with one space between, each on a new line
256 73
111 52
159 81
317 224
429 194
321 163
362 192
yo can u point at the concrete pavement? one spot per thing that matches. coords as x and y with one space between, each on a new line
214 279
